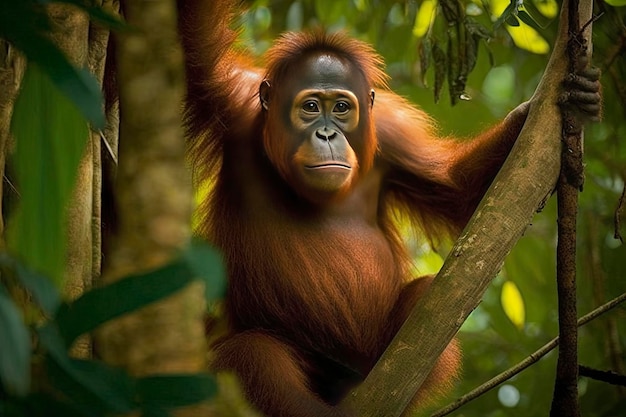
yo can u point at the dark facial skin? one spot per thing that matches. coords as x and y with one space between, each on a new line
324 107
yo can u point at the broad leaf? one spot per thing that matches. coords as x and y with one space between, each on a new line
15 348
135 291
24 24
128 294
171 391
440 61
95 388
50 138
206 264
44 293
539 19
506 14
528 19
425 52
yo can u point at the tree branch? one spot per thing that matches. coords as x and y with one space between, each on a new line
609 377
571 178
12 65
521 188
534 357
69 32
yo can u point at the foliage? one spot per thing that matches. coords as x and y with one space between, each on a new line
80 387
50 138
50 130
38 376
25 23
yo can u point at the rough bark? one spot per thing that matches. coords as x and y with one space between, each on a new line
96 58
521 189
70 28
153 192
571 178
12 66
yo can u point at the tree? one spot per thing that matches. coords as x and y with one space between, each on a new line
153 243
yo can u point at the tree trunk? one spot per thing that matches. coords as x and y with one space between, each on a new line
70 32
565 400
154 199
12 66
522 187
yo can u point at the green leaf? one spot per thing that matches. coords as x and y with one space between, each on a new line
538 18
128 294
476 29
50 138
526 18
471 51
95 388
15 348
440 61
511 20
44 405
18 18
529 39
451 10
506 14
44 293
423 17
171 391
425 52
24 24
207 264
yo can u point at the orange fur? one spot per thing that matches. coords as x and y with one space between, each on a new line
317 290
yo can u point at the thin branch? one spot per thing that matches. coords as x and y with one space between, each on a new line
571 178
534 357
609 377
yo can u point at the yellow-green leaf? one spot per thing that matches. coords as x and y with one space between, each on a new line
523 35
513 304
425 15
528 38
550 8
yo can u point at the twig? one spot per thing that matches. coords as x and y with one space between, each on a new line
534 357
609 377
